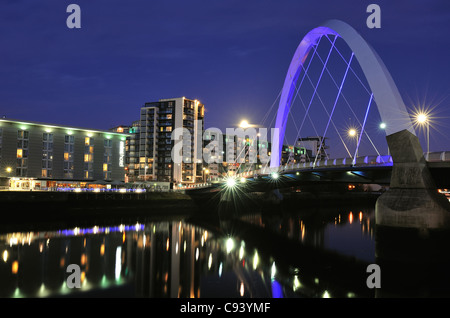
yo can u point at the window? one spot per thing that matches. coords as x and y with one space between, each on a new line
88 157
22 153
68 166
107 159
47 154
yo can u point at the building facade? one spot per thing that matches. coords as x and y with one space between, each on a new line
151 143
58 154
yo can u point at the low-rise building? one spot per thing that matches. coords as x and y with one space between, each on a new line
41 155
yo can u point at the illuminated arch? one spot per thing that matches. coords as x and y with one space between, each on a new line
389 102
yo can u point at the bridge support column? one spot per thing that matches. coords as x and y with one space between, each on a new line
412 200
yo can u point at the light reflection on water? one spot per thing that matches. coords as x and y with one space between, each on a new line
256 256
156 259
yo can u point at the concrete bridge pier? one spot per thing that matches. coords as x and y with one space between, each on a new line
412 200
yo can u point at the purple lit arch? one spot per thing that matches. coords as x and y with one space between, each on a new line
389 102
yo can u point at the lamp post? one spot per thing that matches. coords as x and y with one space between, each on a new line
354 133
422 119
383 126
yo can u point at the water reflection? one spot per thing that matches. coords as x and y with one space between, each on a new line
347 231
155 259
303 254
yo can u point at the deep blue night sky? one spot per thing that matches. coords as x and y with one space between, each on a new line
232 55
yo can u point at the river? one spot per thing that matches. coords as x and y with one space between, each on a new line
308 253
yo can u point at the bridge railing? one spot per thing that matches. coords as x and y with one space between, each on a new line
341 162
438 156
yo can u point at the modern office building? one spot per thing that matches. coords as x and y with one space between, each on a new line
40 155
151 143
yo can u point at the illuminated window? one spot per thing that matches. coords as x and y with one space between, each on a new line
69 143
88 157
107 159
47 155
22 152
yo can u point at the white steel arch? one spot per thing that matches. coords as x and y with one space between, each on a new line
390 104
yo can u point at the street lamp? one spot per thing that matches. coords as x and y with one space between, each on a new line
383 126
422 119
244 124
354 133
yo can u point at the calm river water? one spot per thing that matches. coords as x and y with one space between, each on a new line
308 253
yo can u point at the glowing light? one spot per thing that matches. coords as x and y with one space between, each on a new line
243 180
326 294
8 169
5 256
118 267
275 175
241 289
244 124
350 217
421 118
352 132
15 267
229 245
241 252
209 261
297 283
230 182
255 260
382 125
273 270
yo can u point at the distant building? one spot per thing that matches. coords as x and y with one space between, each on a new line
237 154
59 156
315 147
